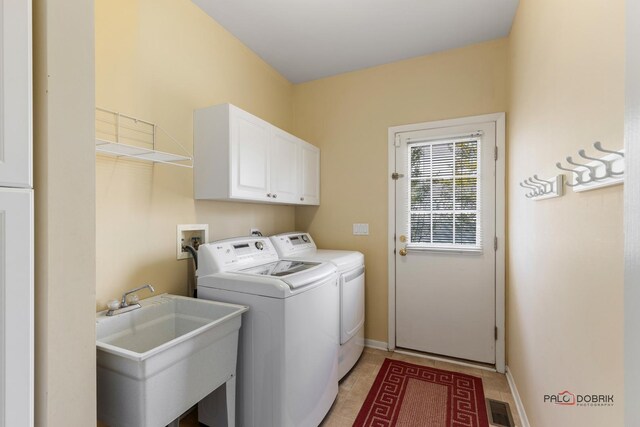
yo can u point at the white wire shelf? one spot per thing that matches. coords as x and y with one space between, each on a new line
121 135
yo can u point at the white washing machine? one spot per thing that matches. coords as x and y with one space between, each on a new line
350 266
287 372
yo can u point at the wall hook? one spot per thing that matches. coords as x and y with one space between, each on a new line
578 178
606 163
543 182
538 189
530 194
598 146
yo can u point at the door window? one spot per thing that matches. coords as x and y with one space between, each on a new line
444 194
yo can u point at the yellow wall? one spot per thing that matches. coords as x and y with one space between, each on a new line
64 183
565 281
159 60
348 116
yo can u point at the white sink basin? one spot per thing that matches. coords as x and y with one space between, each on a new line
156 362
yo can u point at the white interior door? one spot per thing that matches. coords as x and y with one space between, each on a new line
445 229
16 307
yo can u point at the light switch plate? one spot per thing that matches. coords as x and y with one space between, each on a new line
360 229
185 232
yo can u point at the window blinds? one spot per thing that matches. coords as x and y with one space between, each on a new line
444 194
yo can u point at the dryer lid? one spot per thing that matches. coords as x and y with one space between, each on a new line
344 260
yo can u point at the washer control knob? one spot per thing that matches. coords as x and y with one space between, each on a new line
259 246
305 238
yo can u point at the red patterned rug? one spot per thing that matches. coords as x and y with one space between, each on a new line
405 394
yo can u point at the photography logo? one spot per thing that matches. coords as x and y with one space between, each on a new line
566 398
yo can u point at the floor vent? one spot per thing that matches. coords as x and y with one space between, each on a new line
499 413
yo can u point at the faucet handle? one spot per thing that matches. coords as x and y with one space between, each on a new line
113 305
134 299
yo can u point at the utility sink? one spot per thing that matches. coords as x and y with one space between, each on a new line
155 362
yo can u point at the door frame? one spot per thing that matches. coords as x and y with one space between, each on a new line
500 120
631 208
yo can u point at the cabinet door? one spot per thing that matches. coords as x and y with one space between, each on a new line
309 174
16 306
284 164
15 93
249 157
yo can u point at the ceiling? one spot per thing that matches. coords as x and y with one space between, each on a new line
310 39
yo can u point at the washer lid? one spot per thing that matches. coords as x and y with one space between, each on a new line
281 268
295 273
271 286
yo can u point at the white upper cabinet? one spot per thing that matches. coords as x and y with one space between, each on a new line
309 174
15 94
238 156
249 167
284 163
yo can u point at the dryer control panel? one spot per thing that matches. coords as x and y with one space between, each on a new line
293 243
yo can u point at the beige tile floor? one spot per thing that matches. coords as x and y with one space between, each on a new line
355 386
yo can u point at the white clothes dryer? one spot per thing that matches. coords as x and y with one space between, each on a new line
287 372
351 269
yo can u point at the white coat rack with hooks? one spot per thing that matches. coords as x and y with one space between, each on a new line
599 172
540 189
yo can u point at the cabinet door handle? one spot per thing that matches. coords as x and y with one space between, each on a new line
275 196
302 199
268 194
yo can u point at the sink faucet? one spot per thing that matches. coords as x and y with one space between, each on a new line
124 303
122 306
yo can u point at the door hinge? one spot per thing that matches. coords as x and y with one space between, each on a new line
495 154
495 333
395 176
397 140
495 243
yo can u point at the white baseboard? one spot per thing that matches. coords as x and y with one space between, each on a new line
516 396
380 345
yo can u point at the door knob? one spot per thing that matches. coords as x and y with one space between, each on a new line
403 252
